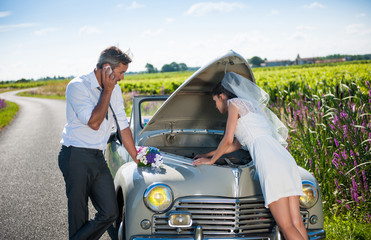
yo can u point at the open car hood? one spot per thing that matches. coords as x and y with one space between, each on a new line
191 105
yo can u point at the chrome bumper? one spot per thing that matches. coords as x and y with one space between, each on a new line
316 234
312 235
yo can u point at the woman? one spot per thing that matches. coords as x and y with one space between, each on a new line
258 129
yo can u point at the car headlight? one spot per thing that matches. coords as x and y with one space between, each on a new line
310 197
158 197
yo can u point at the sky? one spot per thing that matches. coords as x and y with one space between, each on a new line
40 38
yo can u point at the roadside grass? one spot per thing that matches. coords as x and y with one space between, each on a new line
8 113
342 227
53 90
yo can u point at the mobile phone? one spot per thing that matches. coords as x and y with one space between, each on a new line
110 70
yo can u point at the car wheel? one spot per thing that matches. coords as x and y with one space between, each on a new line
120 225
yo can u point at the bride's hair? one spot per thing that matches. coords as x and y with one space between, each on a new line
219 89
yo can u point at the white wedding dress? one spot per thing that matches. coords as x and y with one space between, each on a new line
277 170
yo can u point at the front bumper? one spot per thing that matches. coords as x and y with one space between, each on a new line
312 235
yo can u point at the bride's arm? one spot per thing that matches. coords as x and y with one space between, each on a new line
234 147
227 141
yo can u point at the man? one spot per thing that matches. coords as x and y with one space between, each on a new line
93 102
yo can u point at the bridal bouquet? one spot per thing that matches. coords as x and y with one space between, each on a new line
149 156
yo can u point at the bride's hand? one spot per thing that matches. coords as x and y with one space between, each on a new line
199 156
202 160
205 155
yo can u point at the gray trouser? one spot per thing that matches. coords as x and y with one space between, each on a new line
86 174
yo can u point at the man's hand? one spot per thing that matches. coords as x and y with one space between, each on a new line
201 161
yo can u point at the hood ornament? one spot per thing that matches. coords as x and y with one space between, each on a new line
237 174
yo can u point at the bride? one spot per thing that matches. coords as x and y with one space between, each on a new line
264 135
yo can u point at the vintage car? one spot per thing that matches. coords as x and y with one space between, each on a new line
182 201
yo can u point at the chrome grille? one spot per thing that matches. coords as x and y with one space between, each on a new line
304 216
219 216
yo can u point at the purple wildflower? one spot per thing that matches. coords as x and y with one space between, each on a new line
336 119
364 180
356 166
354 190
351 153
345 129
2 103
344 115
336 142
335 162
344 155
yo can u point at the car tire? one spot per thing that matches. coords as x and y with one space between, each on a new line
120 225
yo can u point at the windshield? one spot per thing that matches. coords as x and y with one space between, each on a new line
148 109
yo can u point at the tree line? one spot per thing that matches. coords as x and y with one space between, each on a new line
257 61
172 67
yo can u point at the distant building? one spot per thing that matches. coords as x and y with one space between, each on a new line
331 60
276 63
300 61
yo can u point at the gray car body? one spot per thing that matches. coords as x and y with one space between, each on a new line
186 124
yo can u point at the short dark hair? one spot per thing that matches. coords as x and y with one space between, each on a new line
219 89
113 56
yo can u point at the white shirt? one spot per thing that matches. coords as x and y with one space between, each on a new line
82 95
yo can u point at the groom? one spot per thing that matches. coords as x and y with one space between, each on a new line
94 106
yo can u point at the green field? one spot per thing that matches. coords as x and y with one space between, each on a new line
327 109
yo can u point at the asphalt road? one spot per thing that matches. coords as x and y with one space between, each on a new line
33 203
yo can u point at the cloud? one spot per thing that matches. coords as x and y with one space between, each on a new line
204 8
5 14
299 35
133 5
359 15
303 27
314 5
169 20
357 29
274 12
150 33
252 37
44 31
6 28
88 30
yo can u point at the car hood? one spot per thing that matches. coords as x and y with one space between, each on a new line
191 105
187 180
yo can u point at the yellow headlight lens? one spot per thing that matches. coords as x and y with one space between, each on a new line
158 197
310 195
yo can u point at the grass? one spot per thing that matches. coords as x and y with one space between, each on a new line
8 113
52 90
341 227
